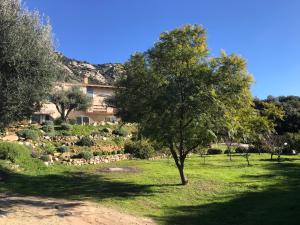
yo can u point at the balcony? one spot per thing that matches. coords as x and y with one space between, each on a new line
101 109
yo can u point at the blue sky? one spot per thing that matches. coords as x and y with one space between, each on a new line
265 32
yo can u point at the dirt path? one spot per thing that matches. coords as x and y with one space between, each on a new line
20 210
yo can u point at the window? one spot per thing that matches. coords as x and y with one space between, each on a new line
90 91
82 120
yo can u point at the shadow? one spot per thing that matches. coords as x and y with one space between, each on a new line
277 204
68 185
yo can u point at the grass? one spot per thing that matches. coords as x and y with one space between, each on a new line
220 192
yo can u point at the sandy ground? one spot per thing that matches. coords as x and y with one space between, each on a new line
20 210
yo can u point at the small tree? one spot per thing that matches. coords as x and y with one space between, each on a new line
178 94
68 100
275 144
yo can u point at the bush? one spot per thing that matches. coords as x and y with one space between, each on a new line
139 149
120 132
105 130
63 149
214 151
85 141
14 152
48 123
257 149
49 148
19 154
120 152
293 140
98 153
28 134
86 155
48 128
58 121
45 158
241 149
65 126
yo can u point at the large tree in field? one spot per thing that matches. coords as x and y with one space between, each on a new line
28 63
178 94
68 100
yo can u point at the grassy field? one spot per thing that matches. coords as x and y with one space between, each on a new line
220 192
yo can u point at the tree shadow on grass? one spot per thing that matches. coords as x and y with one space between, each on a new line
276 205
69 185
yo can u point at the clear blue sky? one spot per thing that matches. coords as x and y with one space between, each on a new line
265 32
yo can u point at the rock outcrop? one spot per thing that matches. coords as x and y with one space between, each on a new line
74 70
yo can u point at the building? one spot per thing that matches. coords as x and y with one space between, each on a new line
99 111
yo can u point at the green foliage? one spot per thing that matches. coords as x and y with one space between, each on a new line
48 148
214 151
293 140
28 62
63 149
28 134
82 130
121 131
86 155
140 149
178 93
105 130
85 141
69 100
290 105
65 126
48 128
45 158
14 152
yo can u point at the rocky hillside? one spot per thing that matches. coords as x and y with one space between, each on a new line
98 73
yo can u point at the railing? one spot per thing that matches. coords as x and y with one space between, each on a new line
101 108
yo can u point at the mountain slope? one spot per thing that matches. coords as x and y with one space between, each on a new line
98 73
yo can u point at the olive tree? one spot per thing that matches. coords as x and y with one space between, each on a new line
68 100
28 63
178 94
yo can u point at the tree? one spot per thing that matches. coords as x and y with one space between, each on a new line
28 63
68 100
178 94
290 105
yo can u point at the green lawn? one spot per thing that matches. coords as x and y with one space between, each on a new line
220 192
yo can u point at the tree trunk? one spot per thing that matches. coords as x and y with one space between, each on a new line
272 156
184 179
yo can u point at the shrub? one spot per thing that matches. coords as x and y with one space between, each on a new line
214 151
85 141
241 149
293 140
120 152
28 134
82 130
14 152
86 155
120 132
105 130
58 121
139 149
19 154
48 123
257 149
45 158
98 153
65 126
49 148
63 149
48 128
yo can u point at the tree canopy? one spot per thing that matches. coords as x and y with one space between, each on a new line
28 63
179 94
68 100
